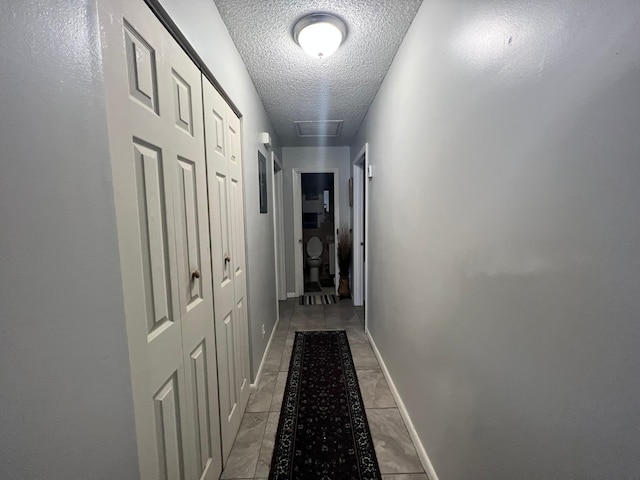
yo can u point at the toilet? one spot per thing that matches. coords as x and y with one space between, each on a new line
314 250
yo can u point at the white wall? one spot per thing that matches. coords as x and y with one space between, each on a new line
200 22
66 407
504 236
311 157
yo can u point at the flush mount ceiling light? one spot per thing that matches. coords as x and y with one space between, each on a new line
319 34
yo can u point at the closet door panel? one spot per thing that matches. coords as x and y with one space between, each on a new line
144 178
222 132
236 212
186 130
156 135
217 148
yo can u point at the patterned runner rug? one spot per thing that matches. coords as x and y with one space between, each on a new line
323 431
317 299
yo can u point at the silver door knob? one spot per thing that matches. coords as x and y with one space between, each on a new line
195 274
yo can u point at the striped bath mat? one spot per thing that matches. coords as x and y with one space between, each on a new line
318 299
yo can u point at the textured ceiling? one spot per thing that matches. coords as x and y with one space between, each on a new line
294 86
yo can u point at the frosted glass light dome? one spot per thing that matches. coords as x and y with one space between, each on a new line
320 34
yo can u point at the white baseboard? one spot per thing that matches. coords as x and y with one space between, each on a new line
422 453
254 386
291 295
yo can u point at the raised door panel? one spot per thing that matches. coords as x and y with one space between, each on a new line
141 69
152 210
241 354
235 209
188 207
202 377
229 378
168 434
222 233
182 104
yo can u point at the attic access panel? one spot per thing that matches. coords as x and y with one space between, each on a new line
318 128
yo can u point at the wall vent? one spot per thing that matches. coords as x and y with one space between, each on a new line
318 128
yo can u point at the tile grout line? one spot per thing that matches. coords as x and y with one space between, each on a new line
291 317
404 415
255 468
222 477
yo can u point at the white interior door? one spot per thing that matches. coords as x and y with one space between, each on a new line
278 226
157 144
359 226
238 258
226 209
194 278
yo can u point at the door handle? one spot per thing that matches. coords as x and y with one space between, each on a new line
227 259
195 274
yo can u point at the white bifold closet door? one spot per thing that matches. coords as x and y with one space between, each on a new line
155 118
226 208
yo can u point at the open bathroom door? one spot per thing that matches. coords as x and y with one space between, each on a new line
299 246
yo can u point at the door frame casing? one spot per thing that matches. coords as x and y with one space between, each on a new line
297 220
278 227
360 235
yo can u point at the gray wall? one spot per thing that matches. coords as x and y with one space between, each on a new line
311 157
66 408
504 236
200 22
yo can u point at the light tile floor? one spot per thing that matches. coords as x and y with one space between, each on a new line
250 456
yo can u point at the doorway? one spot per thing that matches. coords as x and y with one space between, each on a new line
278 227
316 218
360 220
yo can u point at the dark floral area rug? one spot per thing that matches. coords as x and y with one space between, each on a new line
323 432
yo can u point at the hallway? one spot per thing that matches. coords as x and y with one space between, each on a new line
502 234
251 454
